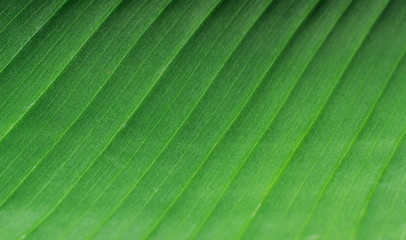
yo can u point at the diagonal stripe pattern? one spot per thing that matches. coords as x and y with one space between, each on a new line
205 119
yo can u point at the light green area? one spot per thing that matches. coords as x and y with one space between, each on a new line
204 119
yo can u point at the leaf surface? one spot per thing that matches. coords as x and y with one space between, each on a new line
206 119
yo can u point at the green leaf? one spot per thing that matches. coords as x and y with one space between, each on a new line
204 119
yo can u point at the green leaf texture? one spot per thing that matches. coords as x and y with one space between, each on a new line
203 119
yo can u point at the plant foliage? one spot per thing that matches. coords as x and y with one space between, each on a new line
204 119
